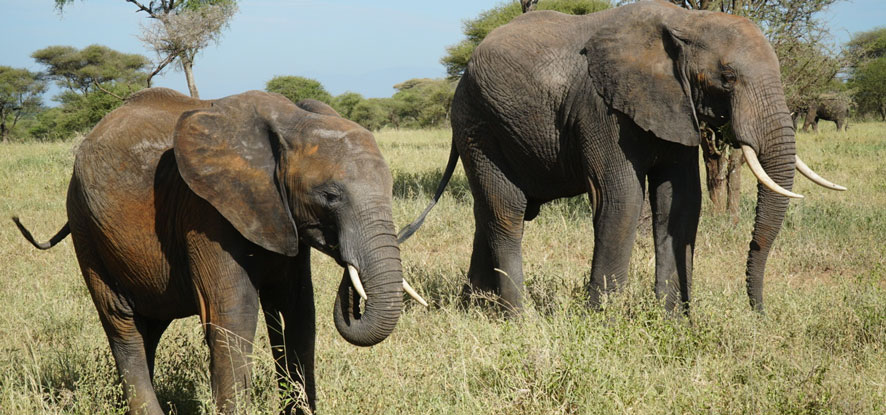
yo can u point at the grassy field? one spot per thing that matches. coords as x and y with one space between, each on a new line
820 349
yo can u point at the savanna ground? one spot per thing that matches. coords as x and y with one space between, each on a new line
821 347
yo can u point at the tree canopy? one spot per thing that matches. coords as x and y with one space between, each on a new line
95 81
868 45
422 102
90 68
475 30
867 78
297 88
20 94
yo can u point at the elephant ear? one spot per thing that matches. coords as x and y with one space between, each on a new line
228 156
317 107
639 69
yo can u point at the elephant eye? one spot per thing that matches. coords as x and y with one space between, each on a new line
331 195
729 78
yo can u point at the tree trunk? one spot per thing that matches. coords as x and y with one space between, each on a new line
188 68
733 178
716 181
3 131
715 163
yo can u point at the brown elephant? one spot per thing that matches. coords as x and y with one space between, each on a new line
179 207
553 105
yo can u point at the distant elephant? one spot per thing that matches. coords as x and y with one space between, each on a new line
831 107
179 207
553 105
528 5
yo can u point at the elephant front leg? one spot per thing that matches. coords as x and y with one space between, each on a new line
229 334
288 304
616 214
229 312
496 262
675 195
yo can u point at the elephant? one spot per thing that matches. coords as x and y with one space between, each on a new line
553 105
528 5
178 207
831 107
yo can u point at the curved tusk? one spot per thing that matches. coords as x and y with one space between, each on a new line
761 175
355 280
811 175
414 294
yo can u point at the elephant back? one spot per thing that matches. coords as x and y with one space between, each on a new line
132 138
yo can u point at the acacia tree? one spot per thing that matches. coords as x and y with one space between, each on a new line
93 67
869 83
297 88
867 45
94 80
20 94
179 30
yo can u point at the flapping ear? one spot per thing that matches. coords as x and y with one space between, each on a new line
640 69
228 156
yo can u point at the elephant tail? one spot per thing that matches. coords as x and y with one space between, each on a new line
407 231
61 234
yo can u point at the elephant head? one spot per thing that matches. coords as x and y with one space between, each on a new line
284 176
685 69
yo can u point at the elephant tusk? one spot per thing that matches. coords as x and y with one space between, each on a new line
761 175
811 175
355 280
414 294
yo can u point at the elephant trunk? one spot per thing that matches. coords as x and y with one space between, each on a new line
770 133
378 266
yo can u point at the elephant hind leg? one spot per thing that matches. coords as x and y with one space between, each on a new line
133 339
496 262
499 210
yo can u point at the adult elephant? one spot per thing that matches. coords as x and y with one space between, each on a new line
831 107
179 207
553 106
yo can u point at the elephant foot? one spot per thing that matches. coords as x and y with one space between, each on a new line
489 300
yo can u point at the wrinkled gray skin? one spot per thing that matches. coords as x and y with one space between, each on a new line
553 106
829 107
180 207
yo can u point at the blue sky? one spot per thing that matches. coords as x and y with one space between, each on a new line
348 45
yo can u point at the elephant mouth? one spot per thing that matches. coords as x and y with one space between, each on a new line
357 286
323 239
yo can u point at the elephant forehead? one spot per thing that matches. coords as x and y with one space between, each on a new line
308 167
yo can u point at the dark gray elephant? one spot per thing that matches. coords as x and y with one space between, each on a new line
553 106
528 5
179 207
831 107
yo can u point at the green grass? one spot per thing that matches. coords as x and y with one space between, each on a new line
820 349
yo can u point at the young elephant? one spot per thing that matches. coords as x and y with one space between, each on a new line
180 207
553 106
